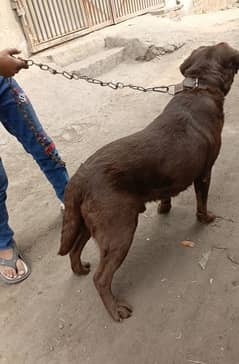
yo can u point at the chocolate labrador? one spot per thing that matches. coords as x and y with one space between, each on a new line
105 196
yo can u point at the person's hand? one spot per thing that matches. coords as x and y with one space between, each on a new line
10 65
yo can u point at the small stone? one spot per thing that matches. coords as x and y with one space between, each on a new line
179 336
204 260
188 243
61 326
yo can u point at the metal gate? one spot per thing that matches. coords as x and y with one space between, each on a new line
125 9
49 22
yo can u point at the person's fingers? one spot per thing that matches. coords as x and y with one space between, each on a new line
12 51
25 65
24 62
20 63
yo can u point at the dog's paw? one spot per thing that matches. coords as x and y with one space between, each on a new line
81 269
120 311
206 218
164 208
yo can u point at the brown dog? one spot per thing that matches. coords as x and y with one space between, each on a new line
107 193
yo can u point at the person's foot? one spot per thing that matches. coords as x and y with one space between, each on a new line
9 272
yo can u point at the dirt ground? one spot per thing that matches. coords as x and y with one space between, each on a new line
182 314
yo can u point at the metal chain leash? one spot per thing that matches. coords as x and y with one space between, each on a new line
170 89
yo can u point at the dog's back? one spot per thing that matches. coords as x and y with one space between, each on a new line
164 158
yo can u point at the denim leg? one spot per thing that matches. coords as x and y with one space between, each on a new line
6 233
19 118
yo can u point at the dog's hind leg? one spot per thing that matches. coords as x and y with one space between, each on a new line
164 206
114 242
201 186
77 266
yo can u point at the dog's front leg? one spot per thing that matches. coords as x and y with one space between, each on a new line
201 186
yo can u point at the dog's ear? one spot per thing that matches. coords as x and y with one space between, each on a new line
185 65
193 64
235 61
228 57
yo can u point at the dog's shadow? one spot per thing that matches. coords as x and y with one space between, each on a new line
156 248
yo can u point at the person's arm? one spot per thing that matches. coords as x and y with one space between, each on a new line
10 65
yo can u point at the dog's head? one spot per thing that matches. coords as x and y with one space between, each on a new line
215 65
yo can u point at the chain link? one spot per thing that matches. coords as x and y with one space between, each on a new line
113 85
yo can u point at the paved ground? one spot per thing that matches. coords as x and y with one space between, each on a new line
182 314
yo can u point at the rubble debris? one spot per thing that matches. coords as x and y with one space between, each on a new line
157 51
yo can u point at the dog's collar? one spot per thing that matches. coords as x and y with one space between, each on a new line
189 83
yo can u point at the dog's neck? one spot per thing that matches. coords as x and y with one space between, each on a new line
216 80
190 83
195 85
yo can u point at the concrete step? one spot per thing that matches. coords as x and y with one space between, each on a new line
73 51
98 63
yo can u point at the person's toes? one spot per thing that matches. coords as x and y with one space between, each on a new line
12 273
9 272
20 267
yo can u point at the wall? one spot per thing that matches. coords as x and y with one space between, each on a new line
11 34
202 6
187 6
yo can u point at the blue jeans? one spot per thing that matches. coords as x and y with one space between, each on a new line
19 118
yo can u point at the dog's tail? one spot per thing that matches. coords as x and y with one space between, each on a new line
73 226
